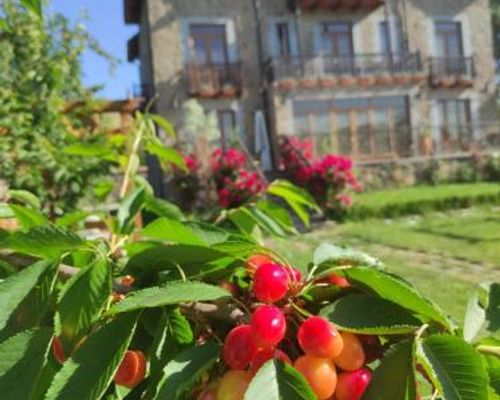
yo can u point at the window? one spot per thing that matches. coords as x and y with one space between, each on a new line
208 44
449 39
336 39
454 118
364 128
283 39
227 127
385 38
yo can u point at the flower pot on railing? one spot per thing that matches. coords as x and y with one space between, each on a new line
329 4
418 79
366 81
207 91
308 83
465 82
401 79
287 84
307 4
384 80
448 82
229 90
426 145
347 81
327 83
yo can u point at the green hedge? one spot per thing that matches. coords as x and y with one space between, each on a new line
421 199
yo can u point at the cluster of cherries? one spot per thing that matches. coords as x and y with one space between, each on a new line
333 363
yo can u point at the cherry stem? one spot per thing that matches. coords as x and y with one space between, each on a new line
303 312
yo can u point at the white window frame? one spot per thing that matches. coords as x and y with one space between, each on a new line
272 38
466 33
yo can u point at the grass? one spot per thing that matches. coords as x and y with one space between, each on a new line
444 254
421 199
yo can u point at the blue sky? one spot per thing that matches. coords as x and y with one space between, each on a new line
106 24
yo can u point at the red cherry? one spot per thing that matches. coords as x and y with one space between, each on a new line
208 394
372 347
320 373
58 350
270 283
352 385
294 275
352 356
255 261
338 281
230 287
268 326
319 338
132 369
239 348
265 355
127 280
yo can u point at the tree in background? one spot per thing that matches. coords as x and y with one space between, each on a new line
40 72
495 13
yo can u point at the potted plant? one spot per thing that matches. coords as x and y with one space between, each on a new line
308 83
366 81
384 80
347 80
327 82
287 84
426 142
418 79
229 90
401 79
207 91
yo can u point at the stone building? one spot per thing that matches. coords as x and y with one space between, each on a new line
370 78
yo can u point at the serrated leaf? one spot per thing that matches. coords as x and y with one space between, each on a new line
130 206
172 293
29 217
82 300
167 155
165 125
455 368
291 193
276 380
164 208
44 241
245 223
265 222
279 214
166 257
185 369
90 370
17 288
394 378
171 231
329 255
395 289
209 233
492 365
362 313
23 356
72 218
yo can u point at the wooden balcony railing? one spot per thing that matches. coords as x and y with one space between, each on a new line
359 68
450 72
349 5
214 80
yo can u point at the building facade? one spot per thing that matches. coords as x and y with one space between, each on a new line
372 79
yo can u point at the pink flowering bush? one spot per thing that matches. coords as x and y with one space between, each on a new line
235 183
187 182
330 179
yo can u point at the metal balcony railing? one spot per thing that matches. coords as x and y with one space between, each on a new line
446 71
317 67
351 5
214 80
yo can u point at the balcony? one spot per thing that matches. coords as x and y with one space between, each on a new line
357 70
452 72
214 80
345 5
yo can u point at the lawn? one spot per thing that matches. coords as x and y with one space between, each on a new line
444 254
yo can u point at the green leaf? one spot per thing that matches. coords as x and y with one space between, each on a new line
167 257
90 370
44 241
164 208
173 293
454 367
6 211
173 336
26 198
394 378
475 314
493 308
35 6
279 214
245 223
82 300
185 369
130 206
167 155
17 287
87 150
165 125
276 380
23 357
265 222
362 313
329 255
72 218
492 365
395 289
171 231
209 233
29 217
